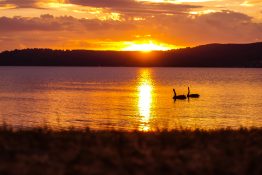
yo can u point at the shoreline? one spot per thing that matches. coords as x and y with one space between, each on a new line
43 151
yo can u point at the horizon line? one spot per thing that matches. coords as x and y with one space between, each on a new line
112 50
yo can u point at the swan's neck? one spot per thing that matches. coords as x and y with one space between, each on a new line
174 92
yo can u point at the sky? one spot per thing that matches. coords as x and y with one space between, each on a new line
127 24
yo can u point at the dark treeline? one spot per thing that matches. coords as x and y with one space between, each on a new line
212 55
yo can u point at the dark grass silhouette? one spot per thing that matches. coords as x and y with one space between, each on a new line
46 152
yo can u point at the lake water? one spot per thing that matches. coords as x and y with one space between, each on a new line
129 98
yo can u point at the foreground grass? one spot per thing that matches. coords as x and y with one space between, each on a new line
40 151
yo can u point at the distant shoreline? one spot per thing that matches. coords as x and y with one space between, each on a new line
212 55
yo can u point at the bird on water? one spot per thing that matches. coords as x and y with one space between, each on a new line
179 97
192 95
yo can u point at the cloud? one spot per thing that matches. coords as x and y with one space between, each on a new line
219 27
61 32
19 3
48 22
121 6
181 29
136 7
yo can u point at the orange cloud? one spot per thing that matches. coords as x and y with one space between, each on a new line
104 24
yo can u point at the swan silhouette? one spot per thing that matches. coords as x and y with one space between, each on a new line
179 97
192 95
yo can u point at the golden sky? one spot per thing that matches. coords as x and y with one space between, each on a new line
127 24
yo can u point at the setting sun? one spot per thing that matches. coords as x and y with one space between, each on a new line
147 47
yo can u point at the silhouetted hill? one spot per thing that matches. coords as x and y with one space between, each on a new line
211 55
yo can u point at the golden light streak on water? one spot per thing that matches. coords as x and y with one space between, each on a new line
145 101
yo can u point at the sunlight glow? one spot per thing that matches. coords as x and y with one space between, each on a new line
173 1
203 12
85 12
147 46
247 4
7 6
145 101
55 5
184 1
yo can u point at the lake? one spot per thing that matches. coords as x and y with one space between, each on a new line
129 98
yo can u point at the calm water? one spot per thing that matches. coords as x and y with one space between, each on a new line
129 98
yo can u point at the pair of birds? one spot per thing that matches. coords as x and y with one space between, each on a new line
183 97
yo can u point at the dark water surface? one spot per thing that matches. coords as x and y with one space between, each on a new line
130 98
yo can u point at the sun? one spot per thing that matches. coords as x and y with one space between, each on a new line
146 47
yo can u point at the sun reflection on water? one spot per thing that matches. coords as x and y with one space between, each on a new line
145 99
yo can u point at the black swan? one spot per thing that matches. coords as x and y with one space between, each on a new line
192 95
179 97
